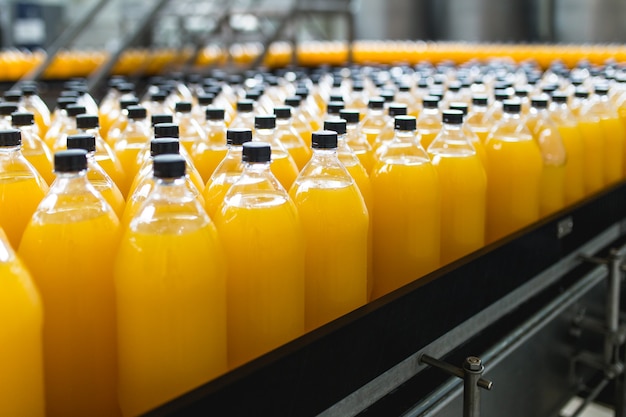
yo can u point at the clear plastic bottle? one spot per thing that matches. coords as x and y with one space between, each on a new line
333 108
109 114
21 187
155 104
407 206
358 98
463 185
69 246
547 136
283 165
33 147
227 172
96 175
299 119
312 110
119 124
207 155
266 291
69 128
6 110
356 139
244 117
374 120
170 282
406 97
131 141
514 166
60 120
468 132
593 141
21 350
335 221
190 131
388 131
34 104
290 138
429 120
477 119
495 110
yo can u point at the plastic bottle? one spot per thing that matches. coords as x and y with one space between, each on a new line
356 139
245 115
406 97
265 292
358 99
110 113
429 121
69 246
21 351
495 110
96 175
283 165
547 136
207 154
374 120
477 117
335 223
407 206
170 282
190 131
468 132
131 141
34 104
155 104
333 108
593 142
119 124
106 157
514 166
311 107
299 120
463 185
227 172
60 120
388 131
567 126
6 110
601 109
33 148
290 138
155 119
69 128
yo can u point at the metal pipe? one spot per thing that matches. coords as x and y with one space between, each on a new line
612 307
473 370
592 396
104 70
65 39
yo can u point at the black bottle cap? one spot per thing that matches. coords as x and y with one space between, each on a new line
480 100
87 121
336 125
559 97
501 95
358 86
405 123
512 106
126 88
404 88
238 136
265 121
166 130
601 89
350 116
155 119
214 113
75 109
453 117
127 102
256 152
521 92
69 93
63 102
205 99
303 92
336 97
13 96
245 105
324 139
86 142
168 166
422 83
549 88
29 89
22 119
581 93
293 101
158 96
137 112
334 107
71 160
253 95
430 102
397 109
539 102
376 103
7 109
459 105
454 86
282 112
10 137
163 146
183 107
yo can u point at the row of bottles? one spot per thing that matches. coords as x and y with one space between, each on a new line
173 243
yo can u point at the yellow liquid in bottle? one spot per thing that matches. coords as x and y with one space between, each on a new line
593 142
284 168
574 169
551 189
613 150
206 156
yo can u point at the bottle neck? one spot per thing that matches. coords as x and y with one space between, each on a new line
10 150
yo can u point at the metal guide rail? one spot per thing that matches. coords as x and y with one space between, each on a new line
350 366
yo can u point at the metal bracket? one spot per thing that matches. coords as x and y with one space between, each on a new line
471 374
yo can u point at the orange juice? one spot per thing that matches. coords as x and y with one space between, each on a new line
477 117
21 187
463 186
290 138
299 120
69 246
356 140
60 121
119 125
131 140
513 176
406 212
594 145
388 131
335 221
207 155
171 296
429 121
475 140
283 165
374 120
21 355
265 296
614 135
33 148
34 104
190 130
